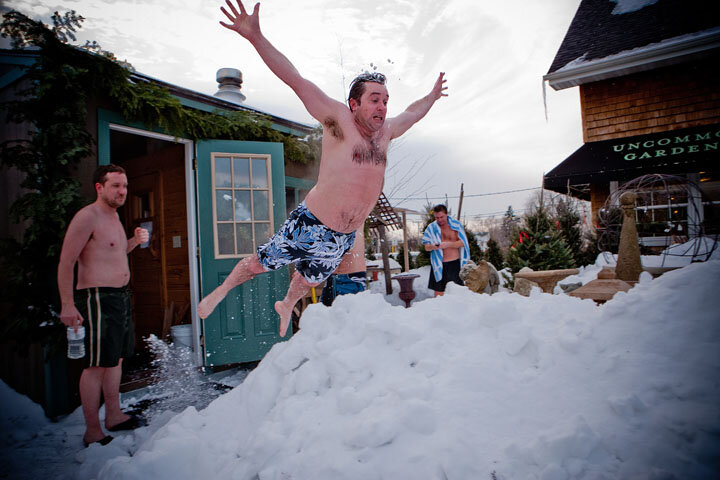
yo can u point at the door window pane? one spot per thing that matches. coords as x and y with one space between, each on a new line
226 242
242 172
260 204
243 203
222 172
223 205
262 233
243 212
244 238
259 173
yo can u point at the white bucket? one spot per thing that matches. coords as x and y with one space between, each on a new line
182 335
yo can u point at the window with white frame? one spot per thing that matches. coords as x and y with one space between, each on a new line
662 210
242 203
710 193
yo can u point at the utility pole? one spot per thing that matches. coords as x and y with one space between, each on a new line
462 193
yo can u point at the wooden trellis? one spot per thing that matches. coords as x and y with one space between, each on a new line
384 214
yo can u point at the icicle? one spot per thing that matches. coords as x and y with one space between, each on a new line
544 99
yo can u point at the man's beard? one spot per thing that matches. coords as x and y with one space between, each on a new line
112 203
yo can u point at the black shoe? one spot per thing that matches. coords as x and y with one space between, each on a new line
102 442
130 424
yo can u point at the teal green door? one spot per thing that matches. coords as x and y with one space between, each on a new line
241 202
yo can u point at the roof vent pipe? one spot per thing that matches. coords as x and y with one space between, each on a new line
229 84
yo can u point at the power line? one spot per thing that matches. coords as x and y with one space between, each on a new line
493 214
466 196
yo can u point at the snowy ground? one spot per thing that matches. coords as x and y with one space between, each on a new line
465 386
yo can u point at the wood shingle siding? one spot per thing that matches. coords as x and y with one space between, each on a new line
670 98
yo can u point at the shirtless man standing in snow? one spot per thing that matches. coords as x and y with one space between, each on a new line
322 229
447 243
95 240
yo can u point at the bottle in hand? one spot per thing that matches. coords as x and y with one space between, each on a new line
76 342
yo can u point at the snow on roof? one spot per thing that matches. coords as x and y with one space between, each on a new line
628 6
602 28
649 48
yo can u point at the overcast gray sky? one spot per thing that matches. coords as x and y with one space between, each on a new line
490 133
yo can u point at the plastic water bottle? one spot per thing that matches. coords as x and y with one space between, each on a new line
76 342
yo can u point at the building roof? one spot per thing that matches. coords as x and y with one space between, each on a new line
210 103
609 38
13 64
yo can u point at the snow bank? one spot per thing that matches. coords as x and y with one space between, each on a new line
545 387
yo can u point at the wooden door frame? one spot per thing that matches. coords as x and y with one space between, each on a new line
157 234
110 121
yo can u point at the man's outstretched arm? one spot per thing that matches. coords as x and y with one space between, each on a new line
317 103
418 109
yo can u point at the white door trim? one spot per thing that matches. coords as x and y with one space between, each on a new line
191 204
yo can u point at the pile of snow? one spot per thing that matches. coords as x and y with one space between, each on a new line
699 248
468 386
20 418
463 386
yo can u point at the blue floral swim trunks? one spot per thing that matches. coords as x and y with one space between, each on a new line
304 240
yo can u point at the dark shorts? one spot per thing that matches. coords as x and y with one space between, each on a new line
342 284
451 273
303 240
109 333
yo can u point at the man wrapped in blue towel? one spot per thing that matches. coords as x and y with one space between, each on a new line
447 243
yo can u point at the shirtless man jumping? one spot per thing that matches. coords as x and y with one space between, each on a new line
95 240
322 229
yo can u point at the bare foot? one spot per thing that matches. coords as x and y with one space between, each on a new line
285 313
208 304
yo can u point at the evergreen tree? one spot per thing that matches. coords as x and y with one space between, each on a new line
476 253
583 245
539 245
568 222
509 226
494 255
590 250
401 259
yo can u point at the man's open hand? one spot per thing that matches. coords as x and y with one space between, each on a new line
439 88
242 23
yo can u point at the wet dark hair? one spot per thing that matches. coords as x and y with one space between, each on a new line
357 86
100 174
439 208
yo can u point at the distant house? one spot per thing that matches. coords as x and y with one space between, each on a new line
649 79
208 203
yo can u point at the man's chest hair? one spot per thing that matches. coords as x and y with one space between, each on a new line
369 153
